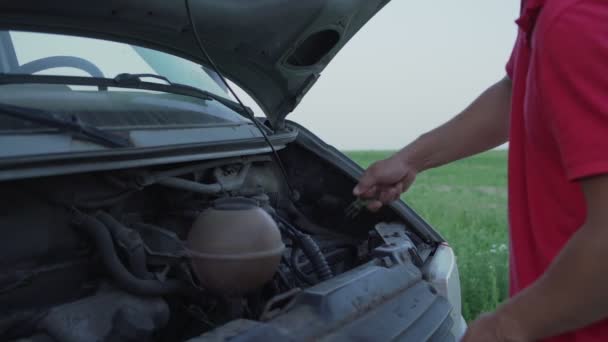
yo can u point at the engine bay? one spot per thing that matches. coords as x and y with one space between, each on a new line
172 252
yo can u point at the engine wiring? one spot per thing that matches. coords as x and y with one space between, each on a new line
258 125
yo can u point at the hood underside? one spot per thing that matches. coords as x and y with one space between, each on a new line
273 49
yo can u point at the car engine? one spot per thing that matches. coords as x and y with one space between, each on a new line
167 253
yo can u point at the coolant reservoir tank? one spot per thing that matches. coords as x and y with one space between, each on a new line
235 247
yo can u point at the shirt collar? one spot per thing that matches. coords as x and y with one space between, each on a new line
528 15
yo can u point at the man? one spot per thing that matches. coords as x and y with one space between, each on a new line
552 107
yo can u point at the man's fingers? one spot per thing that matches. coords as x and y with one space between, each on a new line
369 192
372 192
364 186
381 182
389 195
358 190
386 196
366 191
367 181
392 193
374 206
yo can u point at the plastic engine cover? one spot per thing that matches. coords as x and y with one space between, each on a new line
371 302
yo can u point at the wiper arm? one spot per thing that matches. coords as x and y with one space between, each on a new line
73 126
125 80
134 80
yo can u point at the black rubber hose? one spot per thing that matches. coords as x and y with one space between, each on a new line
131 241
304 223
103 241
293 263
311 250
94 203
316 257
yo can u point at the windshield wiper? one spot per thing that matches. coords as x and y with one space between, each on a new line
74 126
130 79
134 80
126 80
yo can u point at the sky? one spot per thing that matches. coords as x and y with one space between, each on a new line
412 67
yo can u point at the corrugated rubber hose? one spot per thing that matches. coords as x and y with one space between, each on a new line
100 234
310 249
316 257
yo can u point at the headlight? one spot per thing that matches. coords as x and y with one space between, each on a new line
442 273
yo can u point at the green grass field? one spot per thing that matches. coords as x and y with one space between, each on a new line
467 203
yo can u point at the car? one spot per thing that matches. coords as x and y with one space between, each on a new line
142 200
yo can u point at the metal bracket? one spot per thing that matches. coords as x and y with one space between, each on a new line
397 245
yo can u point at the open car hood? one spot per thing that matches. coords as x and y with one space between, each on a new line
273 49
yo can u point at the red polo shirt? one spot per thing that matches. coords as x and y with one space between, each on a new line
558 133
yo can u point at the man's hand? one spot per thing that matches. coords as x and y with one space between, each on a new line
385 180
484 124
494 327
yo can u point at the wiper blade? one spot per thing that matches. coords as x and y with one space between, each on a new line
134 80
74 126
126 80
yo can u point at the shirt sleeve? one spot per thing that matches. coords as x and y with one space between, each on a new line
572 76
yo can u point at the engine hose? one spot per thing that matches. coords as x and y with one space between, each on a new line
310 249
90 203
132 243
293 263
316 257
100 234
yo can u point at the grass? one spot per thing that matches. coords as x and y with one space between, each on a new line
466 202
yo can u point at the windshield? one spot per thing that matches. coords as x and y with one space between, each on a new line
51 115
54 54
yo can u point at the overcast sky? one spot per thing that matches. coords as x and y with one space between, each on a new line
412 67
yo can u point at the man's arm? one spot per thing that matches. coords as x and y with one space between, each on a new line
484 124
574 291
